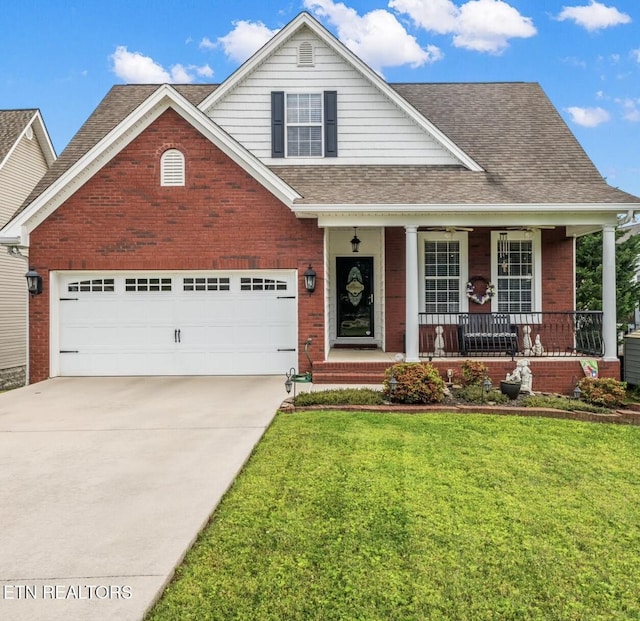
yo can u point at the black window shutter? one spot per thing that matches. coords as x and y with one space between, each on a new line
277 124
330 124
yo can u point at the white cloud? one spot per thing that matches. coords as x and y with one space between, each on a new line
479 25
136 68
377 37
631 109
635 55
588 117
594 16
245 39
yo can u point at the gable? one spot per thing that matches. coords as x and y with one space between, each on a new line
372 128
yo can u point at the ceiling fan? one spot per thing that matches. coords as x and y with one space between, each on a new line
530 228
450 229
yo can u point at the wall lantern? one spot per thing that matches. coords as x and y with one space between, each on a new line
34 282
310 280
355 241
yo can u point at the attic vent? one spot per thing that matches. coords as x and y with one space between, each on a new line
172 168
305 54
29 133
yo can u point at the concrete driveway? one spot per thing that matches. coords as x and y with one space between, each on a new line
106 482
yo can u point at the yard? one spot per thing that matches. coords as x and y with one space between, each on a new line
342 516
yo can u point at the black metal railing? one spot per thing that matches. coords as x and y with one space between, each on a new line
511 334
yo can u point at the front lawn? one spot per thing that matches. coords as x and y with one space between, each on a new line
341 516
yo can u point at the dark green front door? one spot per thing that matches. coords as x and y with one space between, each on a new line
355 296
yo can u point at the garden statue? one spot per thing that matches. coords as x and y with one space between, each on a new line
438 345
522 373
538 350
527 344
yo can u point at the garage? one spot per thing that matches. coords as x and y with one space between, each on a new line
174 323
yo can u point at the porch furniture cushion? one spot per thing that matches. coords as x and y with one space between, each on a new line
487 333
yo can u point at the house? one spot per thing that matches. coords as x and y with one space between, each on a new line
305 207
25 155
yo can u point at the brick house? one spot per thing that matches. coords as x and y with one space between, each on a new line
26 153
174 233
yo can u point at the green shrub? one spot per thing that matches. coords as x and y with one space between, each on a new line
415 383
560 403
604 391
340 396
474 393
474 372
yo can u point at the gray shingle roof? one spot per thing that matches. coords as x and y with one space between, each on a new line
512 130
12 124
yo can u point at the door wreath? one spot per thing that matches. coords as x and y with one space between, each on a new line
489 290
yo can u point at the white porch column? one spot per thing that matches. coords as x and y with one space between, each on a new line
412 307
609 330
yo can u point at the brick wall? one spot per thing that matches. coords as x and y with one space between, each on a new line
222 219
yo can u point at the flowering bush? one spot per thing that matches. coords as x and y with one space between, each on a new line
474 372
604 391
415 383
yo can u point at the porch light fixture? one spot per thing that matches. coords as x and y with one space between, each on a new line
355 241
310 280
34 282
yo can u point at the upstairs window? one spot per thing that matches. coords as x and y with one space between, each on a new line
172 168
304 124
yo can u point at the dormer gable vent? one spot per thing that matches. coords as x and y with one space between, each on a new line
305 54
172 168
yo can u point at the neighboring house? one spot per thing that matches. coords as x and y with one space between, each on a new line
26 154
174 233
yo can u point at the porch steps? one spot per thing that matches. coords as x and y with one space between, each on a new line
349 372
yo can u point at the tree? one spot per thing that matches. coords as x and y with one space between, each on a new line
589 273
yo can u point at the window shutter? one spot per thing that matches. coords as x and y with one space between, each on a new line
277 124
330 124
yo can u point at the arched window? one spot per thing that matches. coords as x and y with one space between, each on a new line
172 168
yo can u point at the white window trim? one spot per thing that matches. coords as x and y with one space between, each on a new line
534 236
463 238
175 176
287 124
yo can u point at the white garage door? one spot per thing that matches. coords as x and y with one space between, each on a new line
218 323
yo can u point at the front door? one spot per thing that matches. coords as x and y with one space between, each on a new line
355 297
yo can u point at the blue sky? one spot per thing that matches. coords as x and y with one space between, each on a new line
62 57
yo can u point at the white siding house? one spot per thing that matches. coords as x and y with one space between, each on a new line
25 155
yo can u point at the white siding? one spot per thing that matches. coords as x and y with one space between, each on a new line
371 129
18 176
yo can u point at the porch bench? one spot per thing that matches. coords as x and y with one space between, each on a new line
487 333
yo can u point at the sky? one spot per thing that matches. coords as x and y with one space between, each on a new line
62 57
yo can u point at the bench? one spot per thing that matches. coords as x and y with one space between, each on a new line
487 333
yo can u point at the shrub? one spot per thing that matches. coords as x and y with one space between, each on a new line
604 391
474 372
415 383
560 403
474 393
340 396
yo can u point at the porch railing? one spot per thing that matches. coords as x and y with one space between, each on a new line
576 333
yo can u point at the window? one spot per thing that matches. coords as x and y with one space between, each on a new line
97 285
206 284
262 284
304 124
443 272
517 271
147 284
172 168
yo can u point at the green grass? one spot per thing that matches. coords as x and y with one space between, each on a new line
385 517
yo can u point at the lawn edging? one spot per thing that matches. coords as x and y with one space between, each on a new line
620 417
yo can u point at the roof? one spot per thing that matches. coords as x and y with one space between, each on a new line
512 130
12 124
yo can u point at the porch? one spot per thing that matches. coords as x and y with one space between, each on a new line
554 343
